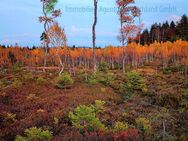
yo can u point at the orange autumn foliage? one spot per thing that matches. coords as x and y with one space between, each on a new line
135 55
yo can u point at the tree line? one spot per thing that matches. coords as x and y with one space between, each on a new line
161 55
166 31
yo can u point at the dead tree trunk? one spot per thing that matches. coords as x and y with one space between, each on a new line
94 36
62 65
164 131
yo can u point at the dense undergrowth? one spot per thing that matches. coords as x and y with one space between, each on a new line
142 104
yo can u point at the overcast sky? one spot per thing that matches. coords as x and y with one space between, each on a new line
19 20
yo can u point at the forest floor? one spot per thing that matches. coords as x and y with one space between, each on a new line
26 101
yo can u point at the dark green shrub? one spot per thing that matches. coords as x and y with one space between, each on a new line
175 68
64 81
35 134
117 66
106 79
133 82
84 117
103 78
167 71
103 67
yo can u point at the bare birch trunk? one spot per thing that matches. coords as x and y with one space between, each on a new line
94 36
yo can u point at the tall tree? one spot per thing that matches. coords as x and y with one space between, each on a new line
94 35
49 14
165 28
57 39
182 28
127 13
168 32
145 37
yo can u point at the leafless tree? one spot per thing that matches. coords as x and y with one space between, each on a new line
94 35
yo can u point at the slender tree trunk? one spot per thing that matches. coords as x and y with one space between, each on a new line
45 57
158 35
69 63
112 63
46 44
139 40
60 62
123 42
85 69
73 67
62 65
186 70
122 35
164 131
123 64
94 36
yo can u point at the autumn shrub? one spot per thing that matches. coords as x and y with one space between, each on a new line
117 86
99 106
9 117
17 67
128 135
84 117
106 79
40 80
184 100
28 77
3 72
64 81
35 134
133 82
5 98
17 83
144 125
168 98
120 126
103 67
103 78
92 79
4 83
75 135
32 97
117 66
174 68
